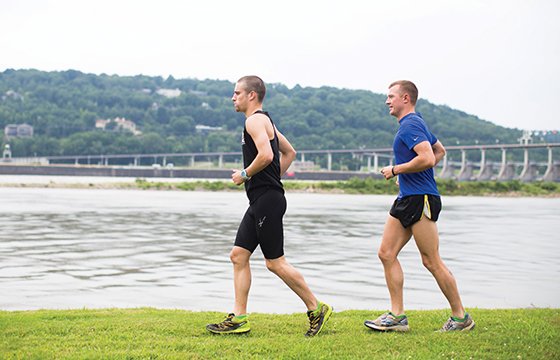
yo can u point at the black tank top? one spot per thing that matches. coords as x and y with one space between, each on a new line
269 177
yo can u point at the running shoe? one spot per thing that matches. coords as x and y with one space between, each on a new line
456 325
318 318
230 325
388 322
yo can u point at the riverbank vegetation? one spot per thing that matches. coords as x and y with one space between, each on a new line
373 186
370 186
148 333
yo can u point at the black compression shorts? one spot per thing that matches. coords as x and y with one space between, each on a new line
410 209
262 225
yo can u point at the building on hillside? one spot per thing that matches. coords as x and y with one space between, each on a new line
206 129
198 93
120 124
539 136
169 93
18 130
547 136
10 130
11 94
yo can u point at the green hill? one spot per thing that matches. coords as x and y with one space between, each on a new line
63 108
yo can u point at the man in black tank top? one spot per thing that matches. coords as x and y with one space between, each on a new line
267 154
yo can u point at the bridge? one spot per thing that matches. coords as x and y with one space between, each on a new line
370 160
508 170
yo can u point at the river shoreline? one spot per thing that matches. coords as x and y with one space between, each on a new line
328 187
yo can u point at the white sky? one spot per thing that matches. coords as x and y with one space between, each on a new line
496 59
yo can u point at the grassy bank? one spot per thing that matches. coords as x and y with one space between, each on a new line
352 186
378 186
174 334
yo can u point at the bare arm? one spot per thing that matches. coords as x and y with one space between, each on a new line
287 153
439 151
425 159
257 128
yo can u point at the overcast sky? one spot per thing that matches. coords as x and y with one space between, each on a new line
498 60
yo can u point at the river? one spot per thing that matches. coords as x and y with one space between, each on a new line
96 248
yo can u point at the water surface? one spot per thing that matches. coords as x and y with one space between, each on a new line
75 248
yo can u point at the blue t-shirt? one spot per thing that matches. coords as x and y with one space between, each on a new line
412 131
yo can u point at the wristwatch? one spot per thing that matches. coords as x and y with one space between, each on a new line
244 175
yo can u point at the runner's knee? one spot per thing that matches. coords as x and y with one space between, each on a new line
432 263
237 257
386 255
272 266
275 266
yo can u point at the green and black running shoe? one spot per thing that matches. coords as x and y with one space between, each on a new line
318 318
230 325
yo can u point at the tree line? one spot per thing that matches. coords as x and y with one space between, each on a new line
63 107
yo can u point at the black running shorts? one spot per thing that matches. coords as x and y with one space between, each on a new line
262 225
410 209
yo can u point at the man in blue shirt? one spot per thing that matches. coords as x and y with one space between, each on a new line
414 212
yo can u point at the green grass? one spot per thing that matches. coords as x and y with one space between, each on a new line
375 186
352 186
175 334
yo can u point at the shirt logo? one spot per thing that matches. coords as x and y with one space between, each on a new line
261 221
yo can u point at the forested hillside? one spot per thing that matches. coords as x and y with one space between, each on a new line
63 108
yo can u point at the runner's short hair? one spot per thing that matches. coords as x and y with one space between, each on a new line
407 87
254 83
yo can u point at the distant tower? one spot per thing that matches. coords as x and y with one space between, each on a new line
526 138
7 153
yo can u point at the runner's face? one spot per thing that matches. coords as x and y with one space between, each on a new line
240 98
395 101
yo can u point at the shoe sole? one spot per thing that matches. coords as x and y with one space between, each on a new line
229 332
236 331
399 328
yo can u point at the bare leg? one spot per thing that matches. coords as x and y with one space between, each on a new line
241 278
395 237
427 239
293 279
